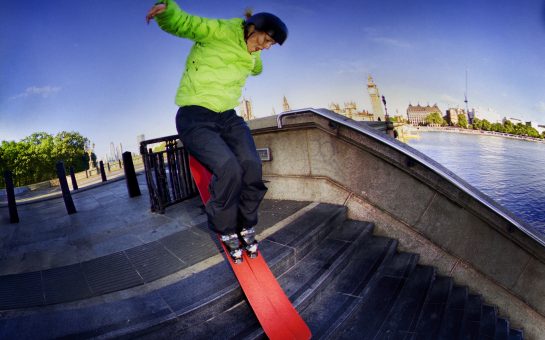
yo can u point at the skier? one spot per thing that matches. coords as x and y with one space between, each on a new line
224 54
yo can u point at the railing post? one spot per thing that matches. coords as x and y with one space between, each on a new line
73 178
102 172
68 202
10 190
130 175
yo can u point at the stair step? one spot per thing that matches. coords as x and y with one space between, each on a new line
502 329
434 308
516 334
472 319
332 306
305 279
379 297
314 272
236 322
345 282
305 237
195 299
487 329
454 314
403 317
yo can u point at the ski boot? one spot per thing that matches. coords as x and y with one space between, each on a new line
232 243
249 242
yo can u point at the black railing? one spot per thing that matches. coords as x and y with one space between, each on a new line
167 172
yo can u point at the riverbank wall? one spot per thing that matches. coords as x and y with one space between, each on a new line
414 130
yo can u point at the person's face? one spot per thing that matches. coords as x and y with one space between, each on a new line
258 41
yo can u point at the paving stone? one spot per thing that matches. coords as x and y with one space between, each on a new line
99 274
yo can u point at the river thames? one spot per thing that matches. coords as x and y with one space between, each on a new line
512 172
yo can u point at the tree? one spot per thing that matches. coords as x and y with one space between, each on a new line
462 120
33 158
161 147
498 127
434 118
485 125
508 126
477 124
532 132
70 148
520 129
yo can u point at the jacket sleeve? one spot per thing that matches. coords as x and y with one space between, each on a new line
182 24
258 64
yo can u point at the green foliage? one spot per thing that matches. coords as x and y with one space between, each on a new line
462 120
508 126
435 118
398 119
160 147
33 158
498 127
485 125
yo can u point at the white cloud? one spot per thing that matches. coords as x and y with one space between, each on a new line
44 92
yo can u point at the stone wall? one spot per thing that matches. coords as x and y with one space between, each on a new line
313 159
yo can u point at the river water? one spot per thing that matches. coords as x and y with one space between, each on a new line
512 172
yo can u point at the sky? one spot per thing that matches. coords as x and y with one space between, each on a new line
97 68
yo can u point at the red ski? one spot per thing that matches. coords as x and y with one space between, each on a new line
277 316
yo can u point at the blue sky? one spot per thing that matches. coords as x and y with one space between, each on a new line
95 66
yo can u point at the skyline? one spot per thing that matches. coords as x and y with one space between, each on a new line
98 69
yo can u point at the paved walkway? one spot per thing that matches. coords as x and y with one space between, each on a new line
112 243
53 192
107 221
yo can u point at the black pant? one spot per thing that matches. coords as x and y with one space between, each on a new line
223 143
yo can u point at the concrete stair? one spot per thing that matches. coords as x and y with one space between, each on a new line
345 282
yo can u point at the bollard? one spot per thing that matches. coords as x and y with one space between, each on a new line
130 175
64 188
10 190
73 177
108 165
121 165
102 172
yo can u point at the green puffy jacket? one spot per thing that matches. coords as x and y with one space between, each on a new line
219 62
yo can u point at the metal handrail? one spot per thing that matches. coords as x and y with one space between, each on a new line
422 159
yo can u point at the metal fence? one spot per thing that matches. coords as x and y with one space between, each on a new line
167 172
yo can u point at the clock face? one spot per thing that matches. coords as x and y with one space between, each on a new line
372 90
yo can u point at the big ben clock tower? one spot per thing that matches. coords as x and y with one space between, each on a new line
378 112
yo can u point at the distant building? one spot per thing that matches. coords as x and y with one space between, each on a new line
471 116
351 111
285 105
513 121
113 153
140 139
452 115
539 128
416 114
372 89
246 109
